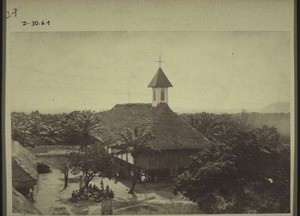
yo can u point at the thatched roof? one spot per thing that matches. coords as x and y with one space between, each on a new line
23 165
21 205
160 80
169 130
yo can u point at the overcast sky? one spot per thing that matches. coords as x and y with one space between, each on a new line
210 71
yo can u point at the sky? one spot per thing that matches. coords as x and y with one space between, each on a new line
209 71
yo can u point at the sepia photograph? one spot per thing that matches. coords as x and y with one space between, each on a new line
149 107
151 122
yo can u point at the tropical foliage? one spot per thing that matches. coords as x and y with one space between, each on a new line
221 127
135 142
246 169
247 174
83 124
74 128
94 161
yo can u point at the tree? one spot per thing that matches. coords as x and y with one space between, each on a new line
218 127
135 142
26 128
52 133
35 123
95 160
225 131
237 176
19 128
65 170
209 174
268 137
243 121
205 123
84 123
250 157
279 171
36 128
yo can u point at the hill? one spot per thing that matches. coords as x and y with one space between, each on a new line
278 107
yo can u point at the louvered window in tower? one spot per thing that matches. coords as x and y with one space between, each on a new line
162 94
154 94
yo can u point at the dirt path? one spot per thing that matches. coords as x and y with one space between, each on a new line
50 199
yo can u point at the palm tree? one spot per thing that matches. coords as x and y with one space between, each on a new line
135 142
19 127
205 123
34 127
225 131
84 123
243 121
268 137
52 133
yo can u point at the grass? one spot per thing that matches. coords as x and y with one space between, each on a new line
52 155
54 161
43 149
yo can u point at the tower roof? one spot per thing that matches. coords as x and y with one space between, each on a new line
160 80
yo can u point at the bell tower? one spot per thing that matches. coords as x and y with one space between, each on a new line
159 85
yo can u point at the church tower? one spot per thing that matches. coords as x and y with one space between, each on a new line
159 85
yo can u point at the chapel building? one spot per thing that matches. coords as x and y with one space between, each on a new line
175 138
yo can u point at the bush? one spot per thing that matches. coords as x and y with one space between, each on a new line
43 168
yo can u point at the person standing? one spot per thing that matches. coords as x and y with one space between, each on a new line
143 179
107 190
80 182
101 183
31 194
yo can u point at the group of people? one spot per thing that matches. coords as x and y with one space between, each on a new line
93 193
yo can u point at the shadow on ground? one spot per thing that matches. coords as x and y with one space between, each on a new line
161 188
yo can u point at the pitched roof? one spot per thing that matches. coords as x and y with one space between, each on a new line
25 160
22 205
169 130
160 80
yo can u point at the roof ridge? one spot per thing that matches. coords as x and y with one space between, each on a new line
133 105
190 126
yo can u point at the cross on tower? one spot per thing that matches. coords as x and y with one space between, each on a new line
160 61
